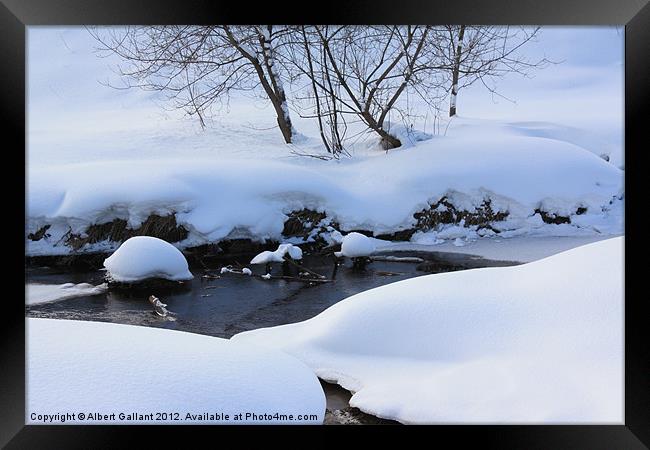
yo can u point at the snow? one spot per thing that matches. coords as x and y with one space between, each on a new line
142 257
117 154
335 236
93 367
536 343
519 248
277 255
379 193
246 271
356 245
45 293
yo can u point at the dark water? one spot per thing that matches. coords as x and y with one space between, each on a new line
233 303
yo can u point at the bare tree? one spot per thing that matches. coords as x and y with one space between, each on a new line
363 71
456 70
482 53
306 60
199 65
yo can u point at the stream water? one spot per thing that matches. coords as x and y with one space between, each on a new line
226 304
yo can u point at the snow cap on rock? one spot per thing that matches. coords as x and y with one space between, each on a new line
143 257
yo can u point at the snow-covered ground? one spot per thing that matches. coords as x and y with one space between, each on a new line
110 154
220 198
45 293
101 368
74 117
540 342
536 343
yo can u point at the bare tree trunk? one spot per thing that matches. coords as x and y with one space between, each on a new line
312 77
279 98
283 118
388 141
455 72
273 89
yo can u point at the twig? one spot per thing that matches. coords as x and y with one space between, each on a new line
291 261
287 278
405 259
211 277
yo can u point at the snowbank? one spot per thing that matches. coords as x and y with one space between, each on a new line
45 293
278 255
356 244
93 367
217 198
110 153
540 342
143 257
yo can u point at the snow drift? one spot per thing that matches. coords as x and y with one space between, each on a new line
221 198
103 368
142 257
45 293
536 343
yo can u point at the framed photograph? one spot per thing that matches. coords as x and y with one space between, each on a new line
359 215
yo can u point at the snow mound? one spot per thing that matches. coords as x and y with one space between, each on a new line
536 343
355 245
45 293
277 256
75 366
142 257
478 161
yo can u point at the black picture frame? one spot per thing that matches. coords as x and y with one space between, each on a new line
15 15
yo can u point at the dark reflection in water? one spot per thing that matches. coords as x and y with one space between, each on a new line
234 303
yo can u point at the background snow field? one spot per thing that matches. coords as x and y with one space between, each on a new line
104 368
540 342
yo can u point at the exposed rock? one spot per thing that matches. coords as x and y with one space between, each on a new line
402 235
354 416
115 231
444 212
233 247
552 217
301 223
39 234
162 227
